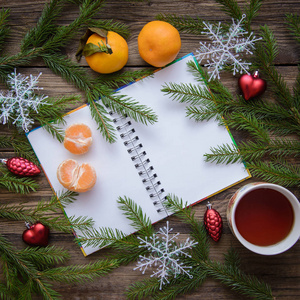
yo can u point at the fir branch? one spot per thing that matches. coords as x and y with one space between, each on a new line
142 289
45 257
101 237
265 54
80 273
134 213
223 154
21 185
293 22
204 113
100 115
252 12
184 24
67 197
41 213
182 285
111 25
231 8
117 79
9 63
201 250
51 117
25 268
67 69
232 258
250 124
187 93
237 280
124 105
4 29
19 144
251 151
281 173
45 26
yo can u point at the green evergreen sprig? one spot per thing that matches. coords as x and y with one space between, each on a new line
42 213
4 29
273 127
229 272
13 183
46 40
33 271
18 143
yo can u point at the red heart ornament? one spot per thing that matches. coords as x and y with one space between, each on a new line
36 234
252 85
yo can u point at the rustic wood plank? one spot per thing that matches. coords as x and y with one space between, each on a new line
282 272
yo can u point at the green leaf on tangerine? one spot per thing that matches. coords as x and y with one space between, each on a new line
90 49
99 31
84 38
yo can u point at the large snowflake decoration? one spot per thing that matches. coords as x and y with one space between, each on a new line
20 100
165 255
225 48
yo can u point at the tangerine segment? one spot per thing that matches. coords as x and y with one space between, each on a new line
159 43
78 138
76 177
105 63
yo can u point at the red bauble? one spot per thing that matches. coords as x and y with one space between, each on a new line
21 166
213 223
36 234
251 85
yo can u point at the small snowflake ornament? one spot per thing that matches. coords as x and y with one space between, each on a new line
164 254
225 48
20 100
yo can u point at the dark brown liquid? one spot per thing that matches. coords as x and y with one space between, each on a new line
264 217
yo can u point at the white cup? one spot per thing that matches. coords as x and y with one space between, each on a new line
272 249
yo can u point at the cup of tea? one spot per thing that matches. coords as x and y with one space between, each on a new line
264 217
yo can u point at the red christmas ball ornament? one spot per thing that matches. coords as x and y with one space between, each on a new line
36 234
21 166
251 85
213 223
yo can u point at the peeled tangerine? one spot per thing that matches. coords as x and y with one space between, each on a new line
78 138
76 177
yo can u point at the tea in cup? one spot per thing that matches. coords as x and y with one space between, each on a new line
264 217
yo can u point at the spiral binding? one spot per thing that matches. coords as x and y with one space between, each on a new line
143 166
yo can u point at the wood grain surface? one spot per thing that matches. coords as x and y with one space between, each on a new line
281 272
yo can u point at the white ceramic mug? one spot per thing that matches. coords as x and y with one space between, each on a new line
282 245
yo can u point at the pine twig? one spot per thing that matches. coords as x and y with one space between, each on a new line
237 280
21 185
184 24
80 273
293 22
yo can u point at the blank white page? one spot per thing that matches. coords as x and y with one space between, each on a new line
175 146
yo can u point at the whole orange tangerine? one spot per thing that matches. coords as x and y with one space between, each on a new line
78 138
76 177
159 43
105 63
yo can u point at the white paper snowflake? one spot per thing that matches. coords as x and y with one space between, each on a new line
165 255
20 100
225 48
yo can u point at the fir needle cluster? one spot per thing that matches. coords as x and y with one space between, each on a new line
47 39
271 151
34 270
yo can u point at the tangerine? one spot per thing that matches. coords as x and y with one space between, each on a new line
78 138
105 63
76 177
159 43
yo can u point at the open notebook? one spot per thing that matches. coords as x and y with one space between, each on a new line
167 158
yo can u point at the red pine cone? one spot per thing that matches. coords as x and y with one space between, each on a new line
213 223
22 166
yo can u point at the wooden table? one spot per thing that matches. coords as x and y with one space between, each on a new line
281 272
